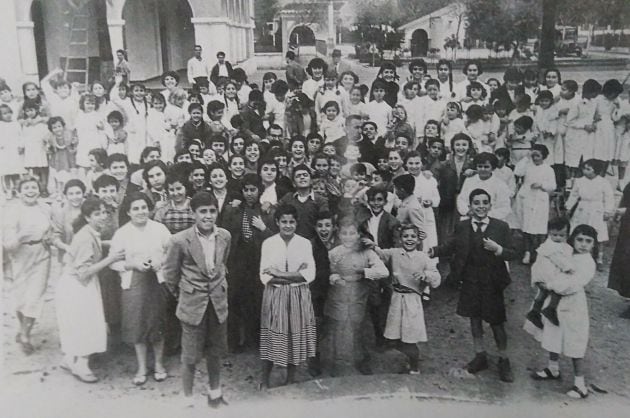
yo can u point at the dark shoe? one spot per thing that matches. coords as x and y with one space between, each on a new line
426 299
217 403
551 315
479 363
545 374
505 371
364 368
314 366
535 318
576 393
625 314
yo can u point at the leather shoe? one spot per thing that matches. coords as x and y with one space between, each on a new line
217 403
479 363
505 371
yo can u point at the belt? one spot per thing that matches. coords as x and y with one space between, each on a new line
399 288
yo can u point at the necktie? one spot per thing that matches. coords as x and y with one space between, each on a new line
478 230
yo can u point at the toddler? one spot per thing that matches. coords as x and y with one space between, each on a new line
116 134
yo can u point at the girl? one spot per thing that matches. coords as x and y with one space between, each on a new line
232 103
477 130
98 162
581 127
104 104
452 122
154 176
431 104
397 125
297 148
62 98
27 228
445 77
176 111
316 68
594 201
500 110
268 79
477 95
493 85
78 296
176 213
604 141
236 167
32 94
136 110
571 336
89 128
411 271
472 70
553 82
144 244
160 131
237 146
11 150
330 92
356 106
348 80
332 125
431 131
218 181
520 143
64 213
7 98
34 136
122 68
252 156
314 144
116 134
300 115
352 266
532 200
287 325
546 124
387 74
170 80
413 104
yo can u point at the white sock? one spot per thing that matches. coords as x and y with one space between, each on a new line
214 393
554 367
579 382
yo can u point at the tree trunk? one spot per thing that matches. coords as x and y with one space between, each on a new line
547 34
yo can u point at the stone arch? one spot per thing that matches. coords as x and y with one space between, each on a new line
419 43
305 33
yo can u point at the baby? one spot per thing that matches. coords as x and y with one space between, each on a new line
556 250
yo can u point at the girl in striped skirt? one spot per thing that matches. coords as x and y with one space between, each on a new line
287 326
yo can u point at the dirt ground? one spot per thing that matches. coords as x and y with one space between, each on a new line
35 386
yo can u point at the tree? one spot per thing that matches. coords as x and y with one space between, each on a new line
265 11
504 23
547 34
376 21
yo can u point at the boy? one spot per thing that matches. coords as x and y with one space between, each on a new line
322 242
307 203
410 211
217 144
378 110
252 116
193 128
486 163
276 107
195 269
215 111
481 246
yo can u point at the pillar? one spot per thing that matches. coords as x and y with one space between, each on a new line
116 35
210 33
331 26
28 54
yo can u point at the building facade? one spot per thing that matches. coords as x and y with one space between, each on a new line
432 30
158 35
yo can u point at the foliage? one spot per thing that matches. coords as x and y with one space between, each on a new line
264 12
375 23
504 23
615 13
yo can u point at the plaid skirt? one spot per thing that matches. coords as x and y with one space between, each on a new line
287 325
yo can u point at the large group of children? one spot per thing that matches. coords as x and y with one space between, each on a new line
307 210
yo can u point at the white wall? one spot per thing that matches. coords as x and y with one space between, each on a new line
142 40
10 66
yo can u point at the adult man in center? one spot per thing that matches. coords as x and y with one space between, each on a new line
195 270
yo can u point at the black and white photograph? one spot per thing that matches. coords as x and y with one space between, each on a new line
314 208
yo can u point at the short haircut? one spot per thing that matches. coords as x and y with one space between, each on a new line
290 55
285 209
374 190
117 158
195 106
256 96
74 183
596 165
52 121
279 87
203 199
473 62
512 74
300 167
215 105
486 157
116 115
379 84
217 138
358 169
105 180
132 197
478 192
525 122
542 149
350 118
570 85
503 153
386 175
251 179
100 155
331 103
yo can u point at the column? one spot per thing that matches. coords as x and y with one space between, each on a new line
210 33
116 37
28 54
331 26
